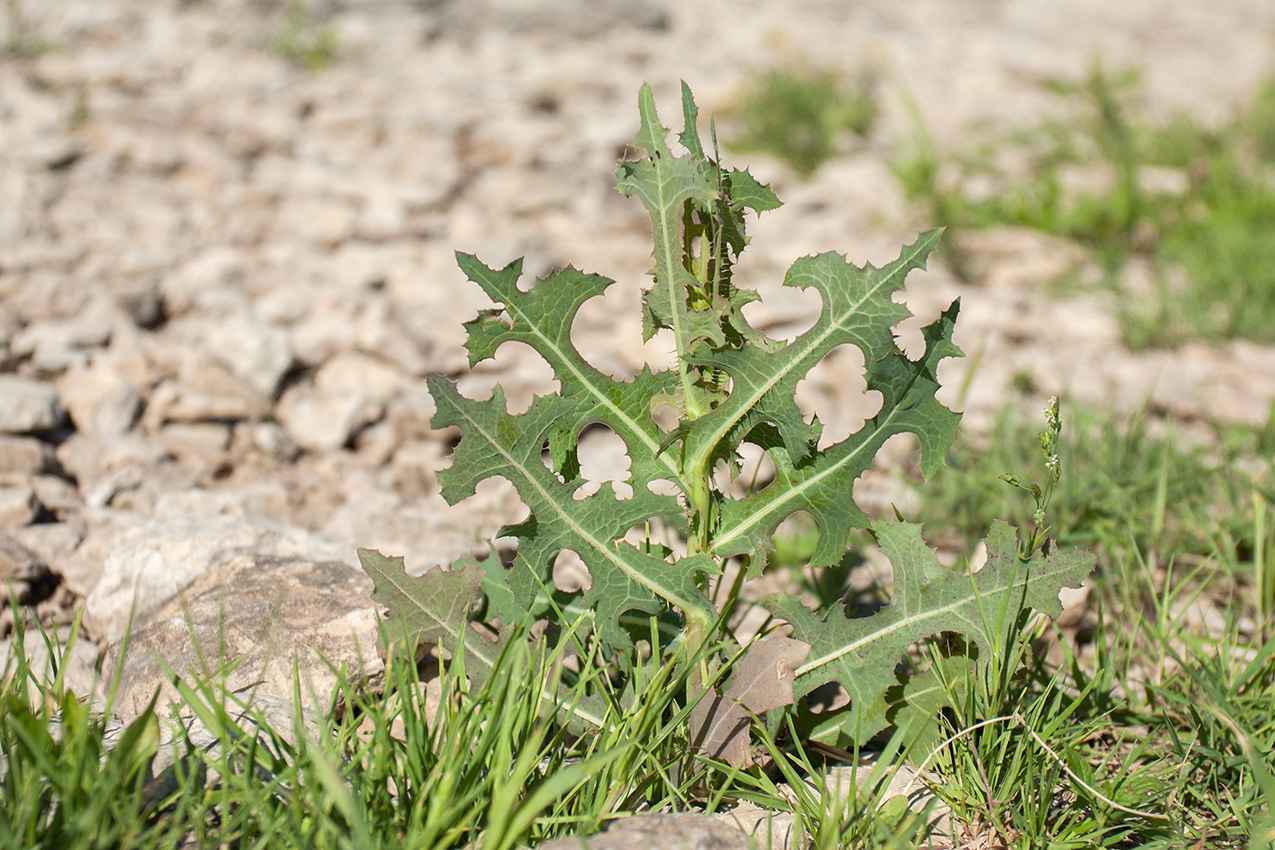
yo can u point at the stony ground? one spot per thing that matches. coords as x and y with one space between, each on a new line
223 277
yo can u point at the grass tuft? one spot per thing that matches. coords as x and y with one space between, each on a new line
802 116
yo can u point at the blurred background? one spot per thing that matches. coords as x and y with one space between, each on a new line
227 229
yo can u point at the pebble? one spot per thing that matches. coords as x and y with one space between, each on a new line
257 352
18 506
25 455
99 399
28 406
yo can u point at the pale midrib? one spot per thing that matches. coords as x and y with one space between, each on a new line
815 344
727 535
665 221
567 362
769 510
603 548
912 620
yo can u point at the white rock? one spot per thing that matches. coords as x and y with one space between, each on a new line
267 613
99 399
28 406
53 345
25 455
150 563
383 216
18 506
350 391
52 541
255 351
203 391
78 666
319 220
316 421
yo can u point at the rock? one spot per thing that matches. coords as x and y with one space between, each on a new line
203 278
52 541
28 407
56 344
342 322
383 216
32 580
147 564
206 441
25 456
322 221
104 466
205 391
267 612
660 832
205 744
18 506
349 392
55 494
318 422
102 530
99 399
271 438
255 351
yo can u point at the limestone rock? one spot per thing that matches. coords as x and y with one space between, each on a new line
106 465
148 564
99 399
268 611
660 832
79 662
257 352
203 391
56 344
28 407
18 506
30 575
102 529
349 392
25 455
53 542
319 220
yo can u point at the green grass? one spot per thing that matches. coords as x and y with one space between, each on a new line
1136 727
1149 708
302 41
490 769
801 117
1207 239
23 39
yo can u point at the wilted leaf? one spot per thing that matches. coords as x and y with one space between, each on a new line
763 680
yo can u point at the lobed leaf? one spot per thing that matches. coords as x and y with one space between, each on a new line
432 609
822 482
497 443
664 183
861 654
542 318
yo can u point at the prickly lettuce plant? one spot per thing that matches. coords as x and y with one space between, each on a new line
731 385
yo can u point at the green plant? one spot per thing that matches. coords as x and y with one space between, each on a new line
302 42
470 767
23 39
731 385
801 117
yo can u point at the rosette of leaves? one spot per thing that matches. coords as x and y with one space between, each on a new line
731 385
